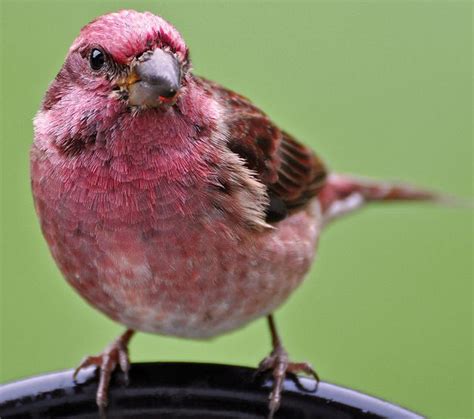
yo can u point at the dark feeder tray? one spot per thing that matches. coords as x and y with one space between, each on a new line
182 390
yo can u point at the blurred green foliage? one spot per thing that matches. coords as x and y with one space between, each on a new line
381 88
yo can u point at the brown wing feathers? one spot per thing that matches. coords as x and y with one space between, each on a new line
292 173
301 174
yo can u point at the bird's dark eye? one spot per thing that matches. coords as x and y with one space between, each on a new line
97 59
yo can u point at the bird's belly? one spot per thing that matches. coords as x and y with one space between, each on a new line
201 283
188 279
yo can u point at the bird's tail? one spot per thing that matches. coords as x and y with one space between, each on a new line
344 194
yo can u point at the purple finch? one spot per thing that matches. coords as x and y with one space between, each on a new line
172 204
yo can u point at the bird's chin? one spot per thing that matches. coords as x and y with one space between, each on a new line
160 106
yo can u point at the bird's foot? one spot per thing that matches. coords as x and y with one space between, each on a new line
116 354
280 365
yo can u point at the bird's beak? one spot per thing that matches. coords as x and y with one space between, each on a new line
155 80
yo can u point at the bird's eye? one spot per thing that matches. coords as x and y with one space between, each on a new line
97 59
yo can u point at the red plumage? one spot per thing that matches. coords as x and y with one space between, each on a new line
190 217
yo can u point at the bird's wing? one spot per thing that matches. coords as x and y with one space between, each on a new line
292 172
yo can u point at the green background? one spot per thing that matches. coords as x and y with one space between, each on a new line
380 88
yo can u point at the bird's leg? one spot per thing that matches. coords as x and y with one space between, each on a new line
279 363
115 354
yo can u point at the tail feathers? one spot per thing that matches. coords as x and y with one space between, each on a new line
344 194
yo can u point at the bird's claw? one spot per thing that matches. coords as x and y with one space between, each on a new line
280 365
116 354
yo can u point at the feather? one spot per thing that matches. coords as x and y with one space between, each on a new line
291 172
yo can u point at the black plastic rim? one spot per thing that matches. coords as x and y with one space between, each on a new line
186 390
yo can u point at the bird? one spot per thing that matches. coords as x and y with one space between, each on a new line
172 204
